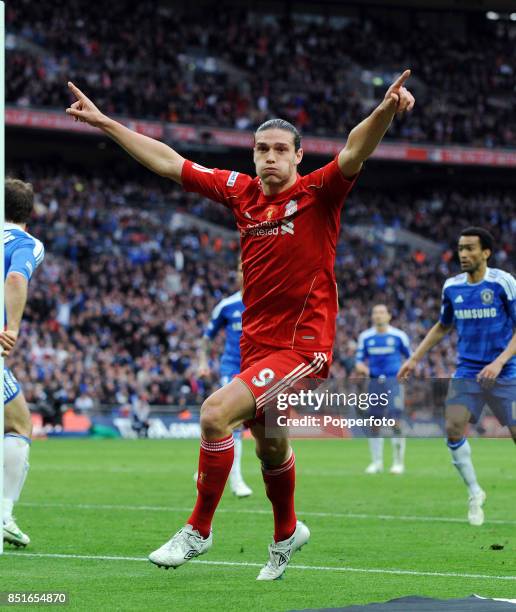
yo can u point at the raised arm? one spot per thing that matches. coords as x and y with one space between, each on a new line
365 137
153 154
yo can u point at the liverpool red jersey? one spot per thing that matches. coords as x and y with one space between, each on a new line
288 245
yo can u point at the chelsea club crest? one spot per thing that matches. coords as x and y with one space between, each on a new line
487 296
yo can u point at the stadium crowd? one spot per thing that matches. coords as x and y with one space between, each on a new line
237 68
119 305
433 212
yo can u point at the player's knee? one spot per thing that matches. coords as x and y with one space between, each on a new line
454 430
274 452
213 419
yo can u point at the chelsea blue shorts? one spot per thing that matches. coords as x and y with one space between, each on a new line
11 386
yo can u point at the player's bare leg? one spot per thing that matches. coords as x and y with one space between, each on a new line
224 410
17 439
457 418
278 469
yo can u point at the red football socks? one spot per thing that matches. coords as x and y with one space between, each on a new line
280 483
215 462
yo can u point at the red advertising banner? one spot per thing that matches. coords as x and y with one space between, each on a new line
51 120
396 151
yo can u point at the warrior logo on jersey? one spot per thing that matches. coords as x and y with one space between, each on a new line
287 227
487 296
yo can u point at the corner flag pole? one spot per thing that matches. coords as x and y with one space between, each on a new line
2 272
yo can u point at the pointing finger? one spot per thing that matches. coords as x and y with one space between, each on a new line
401 79
76 91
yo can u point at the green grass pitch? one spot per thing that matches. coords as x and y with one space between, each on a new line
104 505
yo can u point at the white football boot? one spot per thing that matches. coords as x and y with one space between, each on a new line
397 468
374 468
186 544
14 535
238 486
280 553
475 512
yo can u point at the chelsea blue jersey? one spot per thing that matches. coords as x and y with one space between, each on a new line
484 315
22 252
384 352
227 315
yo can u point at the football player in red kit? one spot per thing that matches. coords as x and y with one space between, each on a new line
289 227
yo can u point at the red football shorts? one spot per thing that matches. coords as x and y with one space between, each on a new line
267 372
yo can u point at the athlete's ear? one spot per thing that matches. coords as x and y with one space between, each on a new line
299 156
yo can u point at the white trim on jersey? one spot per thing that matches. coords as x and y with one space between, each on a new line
11 386
39 248
458 279
371 331
508 283
236 297
492 275
39 251
399 333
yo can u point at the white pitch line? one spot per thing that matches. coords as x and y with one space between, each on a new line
350 515
318 568
301 471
